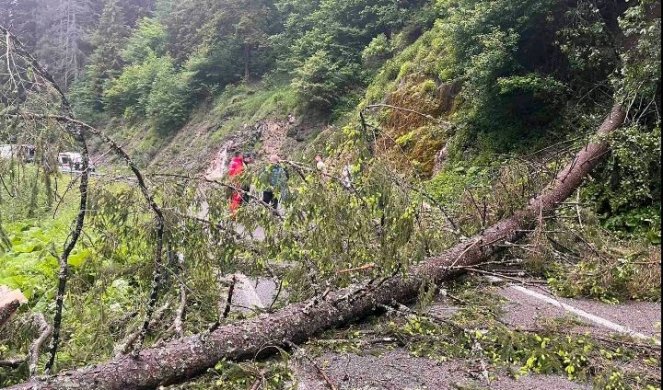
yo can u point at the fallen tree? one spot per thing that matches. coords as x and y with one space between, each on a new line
186 357
10 301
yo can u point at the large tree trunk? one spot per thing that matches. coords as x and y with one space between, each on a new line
186 357
10 301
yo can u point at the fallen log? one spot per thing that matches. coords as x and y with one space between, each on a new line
186 357
10 301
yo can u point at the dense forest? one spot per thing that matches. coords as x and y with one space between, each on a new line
236 194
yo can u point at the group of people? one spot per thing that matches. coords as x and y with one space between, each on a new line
275 178
276 182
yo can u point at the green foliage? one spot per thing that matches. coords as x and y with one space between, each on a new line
529 73
105 62
243 103
332 35
641 73
320 81
376 52
449 185
476 332
587 42
342 229
29 264
35 235
149 39
610 280
600 266
152 89
274 375
168 103
213 67
627 190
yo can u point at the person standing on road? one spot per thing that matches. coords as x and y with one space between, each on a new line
235 170
278 183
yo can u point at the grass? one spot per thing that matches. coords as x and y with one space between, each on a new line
30 262
249 103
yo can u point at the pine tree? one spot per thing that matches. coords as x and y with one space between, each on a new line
20 16
62 43
105 61
135 10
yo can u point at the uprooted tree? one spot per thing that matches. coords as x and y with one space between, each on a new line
185 357
296 323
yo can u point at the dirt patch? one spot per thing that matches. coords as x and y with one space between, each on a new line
273 135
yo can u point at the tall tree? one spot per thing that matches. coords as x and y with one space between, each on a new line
253 21
62 45
21 17
135 10
105 62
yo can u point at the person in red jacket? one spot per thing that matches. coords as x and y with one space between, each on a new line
235 170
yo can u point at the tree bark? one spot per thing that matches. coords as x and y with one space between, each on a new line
10 301
7 309
247 62
187 357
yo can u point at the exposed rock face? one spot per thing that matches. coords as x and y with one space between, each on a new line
447 94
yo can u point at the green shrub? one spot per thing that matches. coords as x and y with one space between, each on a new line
168 104
321 81
149 39
377 52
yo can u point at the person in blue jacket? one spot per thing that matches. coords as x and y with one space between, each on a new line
277 189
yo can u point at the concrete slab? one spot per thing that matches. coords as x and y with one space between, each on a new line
253 293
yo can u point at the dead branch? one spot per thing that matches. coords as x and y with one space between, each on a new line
320 371
125 346
179 315
225 305
14 44
84 128
32 357
364 267
45 331
12 363
229 299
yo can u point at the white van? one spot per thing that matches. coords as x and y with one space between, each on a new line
72 162
25 153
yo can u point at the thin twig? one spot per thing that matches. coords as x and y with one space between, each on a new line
130 340
179 316
229 299
322 373
364 267
276 297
